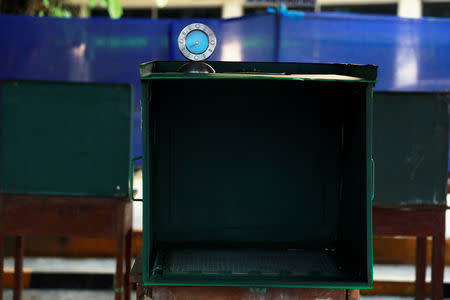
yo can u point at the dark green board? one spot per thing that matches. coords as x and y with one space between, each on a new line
64 138
410 148
257 182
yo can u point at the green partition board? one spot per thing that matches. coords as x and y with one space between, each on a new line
61 138
241 166
411 148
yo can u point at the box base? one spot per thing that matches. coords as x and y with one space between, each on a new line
197 266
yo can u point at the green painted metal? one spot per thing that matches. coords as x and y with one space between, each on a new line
373 179
249 76
63 138
370 183
368 72
244 165
411 148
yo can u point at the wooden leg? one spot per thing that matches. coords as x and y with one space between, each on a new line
2 254
118 287
139 291
438 258
421 266
352 294
118 282
18 268
127 282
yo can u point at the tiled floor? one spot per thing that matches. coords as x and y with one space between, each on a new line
108 265
67 265
30 294
107 295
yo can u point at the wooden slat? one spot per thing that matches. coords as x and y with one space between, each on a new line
352 294
395 288
405 221
8 278
55 215
72 246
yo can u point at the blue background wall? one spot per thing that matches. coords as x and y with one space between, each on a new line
412 54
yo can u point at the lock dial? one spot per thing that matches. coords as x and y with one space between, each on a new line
197 42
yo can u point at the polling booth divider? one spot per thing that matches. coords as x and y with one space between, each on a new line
64 158
411 146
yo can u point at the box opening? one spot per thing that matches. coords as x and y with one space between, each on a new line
258 182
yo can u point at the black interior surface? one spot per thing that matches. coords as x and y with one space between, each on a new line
263 168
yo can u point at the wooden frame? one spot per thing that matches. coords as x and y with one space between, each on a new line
22 215
230 293
421 222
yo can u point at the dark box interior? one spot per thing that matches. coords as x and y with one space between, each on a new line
258 175
258 182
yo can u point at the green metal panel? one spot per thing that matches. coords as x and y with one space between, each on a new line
367 72
411 148
245 178
65 138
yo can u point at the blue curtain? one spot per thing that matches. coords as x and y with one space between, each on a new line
412 54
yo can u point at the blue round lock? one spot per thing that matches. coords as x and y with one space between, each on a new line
197 42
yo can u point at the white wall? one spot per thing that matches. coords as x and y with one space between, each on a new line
409 8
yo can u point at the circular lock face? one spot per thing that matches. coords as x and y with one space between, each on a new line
197 42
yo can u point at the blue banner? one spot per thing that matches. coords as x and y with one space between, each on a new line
412 54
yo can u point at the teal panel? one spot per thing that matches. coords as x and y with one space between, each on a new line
411 148
65 138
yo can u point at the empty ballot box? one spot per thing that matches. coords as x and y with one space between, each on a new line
260 174
411 148
65 138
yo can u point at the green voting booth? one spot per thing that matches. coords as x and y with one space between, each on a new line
411 148
64 138
411 151
260 174
64 161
